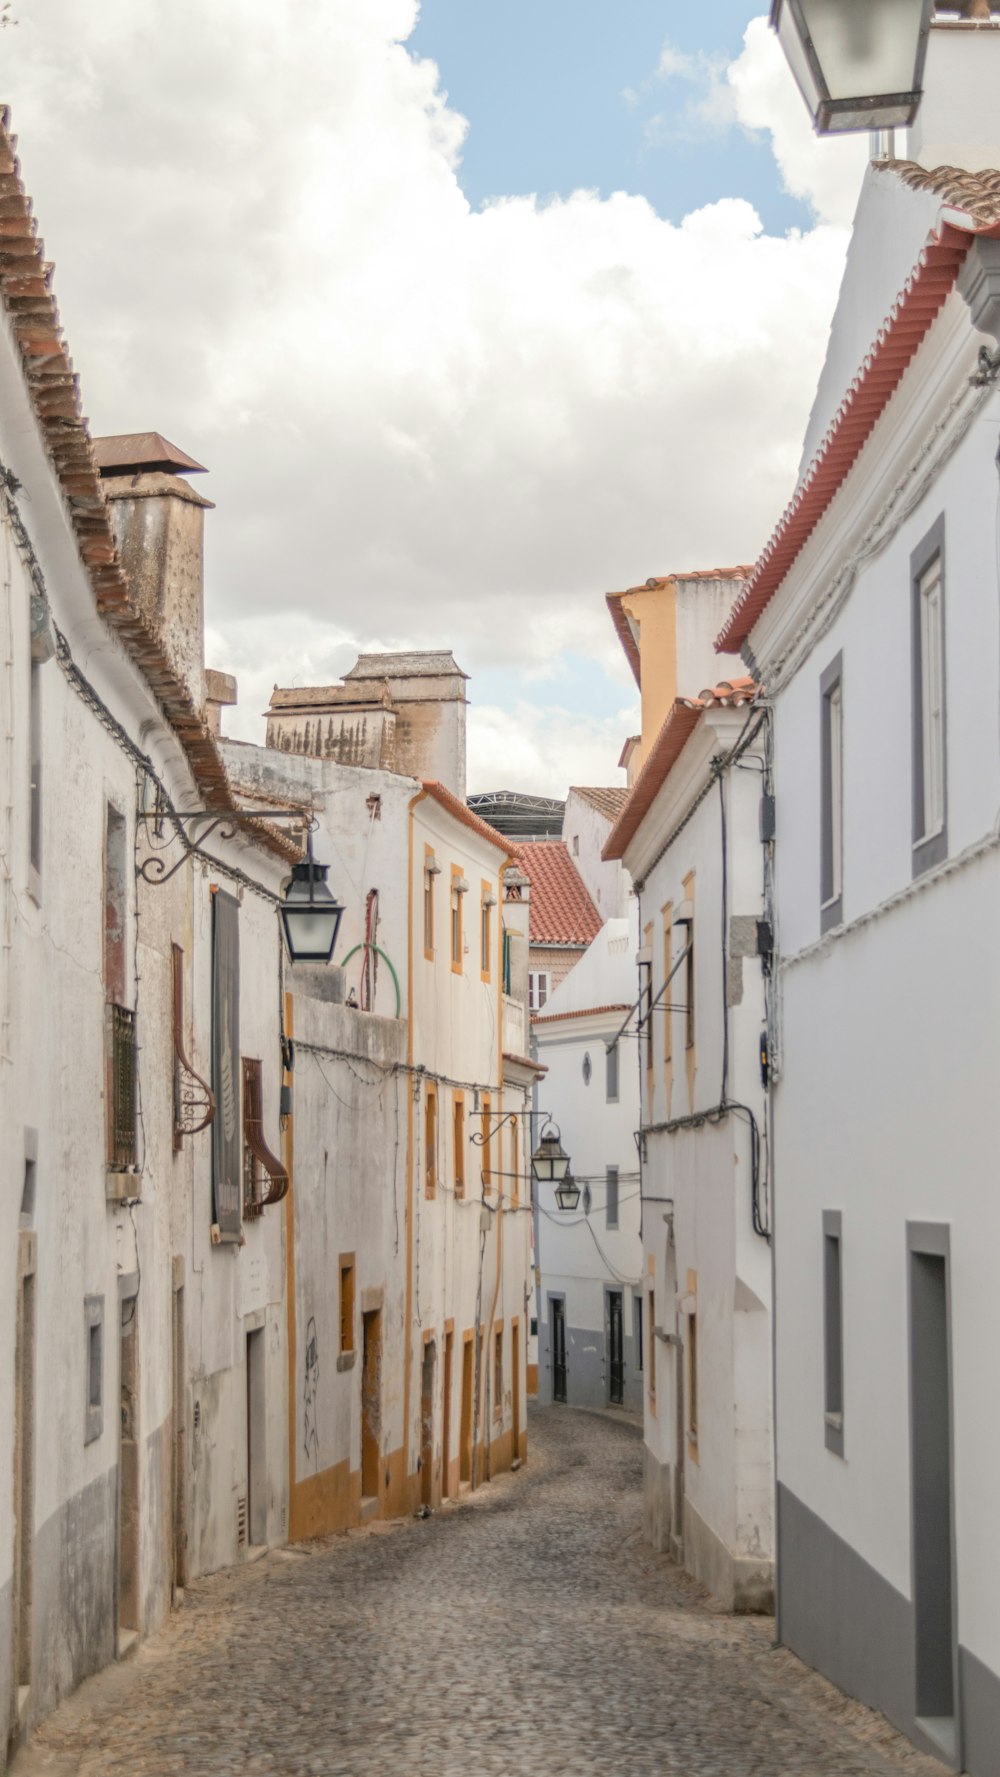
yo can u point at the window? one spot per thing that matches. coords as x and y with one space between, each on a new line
458 1137
539 989
264 1178
122 1088
487 1168
458 887
498 1373
431 870
346 1302
227 1148
486 906
646 1008
930 840
637 1329
505 960
586 1069
430 1142
833 1333
687 927
692 1378
831 687
652 1348
611 1074
93 1326
612 1197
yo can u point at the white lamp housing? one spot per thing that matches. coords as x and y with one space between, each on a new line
859 64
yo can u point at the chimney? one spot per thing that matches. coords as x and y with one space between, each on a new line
158 521
220 694
958 124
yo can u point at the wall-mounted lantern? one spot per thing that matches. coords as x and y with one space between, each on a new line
859 64
310 912
568 1193
549 1162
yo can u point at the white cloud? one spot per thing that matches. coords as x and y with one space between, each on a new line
425 424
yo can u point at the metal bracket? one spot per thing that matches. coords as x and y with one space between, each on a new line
226 822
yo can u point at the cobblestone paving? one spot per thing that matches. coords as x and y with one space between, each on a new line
526 1629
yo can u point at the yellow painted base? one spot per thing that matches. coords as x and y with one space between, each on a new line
532 1383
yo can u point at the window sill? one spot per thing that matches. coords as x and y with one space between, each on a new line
834 1433
123 1184
346 1360
831 914
930 851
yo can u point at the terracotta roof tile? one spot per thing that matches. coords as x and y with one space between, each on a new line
608 802
582 1012
685 714
976 198
561 911
461 812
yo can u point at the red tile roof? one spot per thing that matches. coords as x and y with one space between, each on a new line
560 909
457 807
975 201
608 802
685 714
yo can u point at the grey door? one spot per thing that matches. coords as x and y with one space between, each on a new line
616 1349
557 1315
932 1486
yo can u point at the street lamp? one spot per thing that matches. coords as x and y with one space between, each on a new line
310 912
568 1193
858 63
549 1162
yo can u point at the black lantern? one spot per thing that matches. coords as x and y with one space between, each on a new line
859 64
310 913
568 1193
549 1162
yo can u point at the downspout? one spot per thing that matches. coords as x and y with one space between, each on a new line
408 1353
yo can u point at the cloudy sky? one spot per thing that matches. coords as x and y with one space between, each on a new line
474 312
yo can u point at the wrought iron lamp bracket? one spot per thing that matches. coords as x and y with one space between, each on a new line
225 822
480 1140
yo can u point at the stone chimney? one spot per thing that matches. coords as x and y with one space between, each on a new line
220 694
158 521
958 124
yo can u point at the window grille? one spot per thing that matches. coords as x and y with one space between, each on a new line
264 1178
123 1093
194 1100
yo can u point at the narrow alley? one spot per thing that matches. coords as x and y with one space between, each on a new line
527 1627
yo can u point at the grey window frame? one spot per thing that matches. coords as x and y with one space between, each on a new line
611 1172
833 1330
932 850
93 1322
831 909
612 1083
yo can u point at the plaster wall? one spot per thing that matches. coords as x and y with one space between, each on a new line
585 831
579 1256
956 125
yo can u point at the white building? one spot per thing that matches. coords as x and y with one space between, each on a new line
872 618
689 836
590 1260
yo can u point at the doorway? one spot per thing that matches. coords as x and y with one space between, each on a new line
557 1321
515 1388
427 1373
128 1471
371 1403
178 1451
24 1487
256 1439
449 1355
932 1486
465 1444
616 1348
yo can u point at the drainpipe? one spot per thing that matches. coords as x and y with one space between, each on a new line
408 1352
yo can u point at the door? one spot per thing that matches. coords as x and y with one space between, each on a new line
449 1355
256 1439
932 1490
515 1370
128 1472
178 1453
616 1349
465 1446
557 1321
427 1373
24 1494
371 1403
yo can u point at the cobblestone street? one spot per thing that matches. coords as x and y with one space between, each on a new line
526 1629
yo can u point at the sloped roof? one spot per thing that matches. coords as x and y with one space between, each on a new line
620 619
973 200
461 812
607 802
560 908
120 452
685 714
581 1012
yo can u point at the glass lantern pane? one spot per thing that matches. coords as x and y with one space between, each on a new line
310 932
865 47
